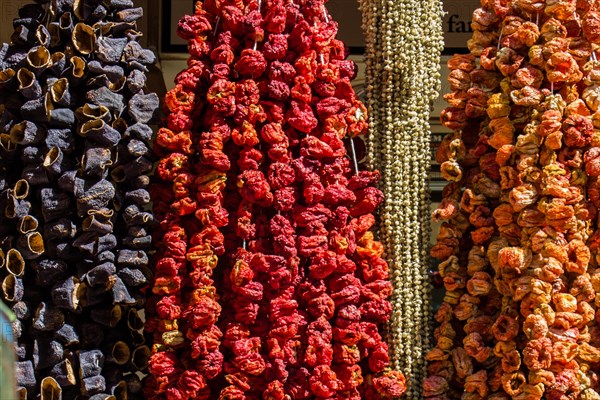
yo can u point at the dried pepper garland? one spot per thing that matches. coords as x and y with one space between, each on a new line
74 139
255 181
188 202
518 241
403 46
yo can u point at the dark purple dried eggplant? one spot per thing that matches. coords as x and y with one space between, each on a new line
74 165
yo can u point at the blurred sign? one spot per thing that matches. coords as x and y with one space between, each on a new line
7 355
456 24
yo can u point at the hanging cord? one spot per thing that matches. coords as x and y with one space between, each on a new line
352 148
255 39
326 17
354 156
217 21
500 37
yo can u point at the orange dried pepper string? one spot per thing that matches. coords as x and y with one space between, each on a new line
534 146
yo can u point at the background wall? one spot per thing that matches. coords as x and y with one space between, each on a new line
8 11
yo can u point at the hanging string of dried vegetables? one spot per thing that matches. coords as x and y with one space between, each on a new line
187 195
518 241
403 44
255 174
75 158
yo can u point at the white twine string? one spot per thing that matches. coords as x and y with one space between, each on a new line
352 148
326 17
255 39
354 156
325 14
216 26
500 37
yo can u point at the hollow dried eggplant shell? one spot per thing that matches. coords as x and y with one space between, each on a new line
59 92
84 38
38 59
38 110
8 78
27 133
118 353
119 391
77 67
66 294
50 389
140 357
91 112
28 224
53 160
43 36
21 393
12 288
31 245
66 23
59 62
15 264
54 30
134 321
21 189
28 84
7 145
63 373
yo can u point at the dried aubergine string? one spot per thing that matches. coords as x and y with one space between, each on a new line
74 196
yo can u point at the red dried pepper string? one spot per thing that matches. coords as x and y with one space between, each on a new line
303 217
326 153
243 335
282 263
195 201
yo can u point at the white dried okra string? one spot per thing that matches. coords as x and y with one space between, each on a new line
403 46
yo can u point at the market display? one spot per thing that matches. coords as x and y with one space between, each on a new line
268 280
518 243
74 160
233 253
403 44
